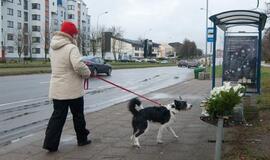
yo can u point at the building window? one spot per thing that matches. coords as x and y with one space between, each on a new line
10 24
36 39
10 11
36 28
19 13
19 25
36 17
71 16
10 49
10 37
62 14
19 2
36 50
25 4
26 16
71 7
11 1
25 27
137 48
36 6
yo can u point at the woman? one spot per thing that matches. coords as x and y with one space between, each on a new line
66 87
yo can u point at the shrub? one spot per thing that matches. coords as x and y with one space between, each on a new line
223 99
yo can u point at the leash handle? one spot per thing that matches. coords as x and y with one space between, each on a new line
128 90
86 84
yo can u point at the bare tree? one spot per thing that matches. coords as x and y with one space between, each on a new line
101 40
81 40
96 40
93 41
117 33
4 47
266 45
19 42
188 50
120 47
30 44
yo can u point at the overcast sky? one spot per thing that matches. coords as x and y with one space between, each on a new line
162 20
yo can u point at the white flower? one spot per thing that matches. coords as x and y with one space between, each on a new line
240 94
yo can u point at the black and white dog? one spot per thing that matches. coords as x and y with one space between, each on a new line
163 115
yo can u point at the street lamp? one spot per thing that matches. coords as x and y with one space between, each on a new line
206 29
106 12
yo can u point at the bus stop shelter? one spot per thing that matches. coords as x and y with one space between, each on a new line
242 49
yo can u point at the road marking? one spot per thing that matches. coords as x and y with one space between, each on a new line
44 82
23 101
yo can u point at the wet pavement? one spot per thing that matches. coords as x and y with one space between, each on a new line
20 117
111 130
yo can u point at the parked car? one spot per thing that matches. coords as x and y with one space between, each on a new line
97 65
193 64
164 62
182 63
152 61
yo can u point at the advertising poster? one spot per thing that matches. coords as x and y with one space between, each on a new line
240 59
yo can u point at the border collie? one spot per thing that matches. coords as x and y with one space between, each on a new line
164 115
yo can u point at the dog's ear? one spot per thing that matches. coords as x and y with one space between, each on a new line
176 102
180 97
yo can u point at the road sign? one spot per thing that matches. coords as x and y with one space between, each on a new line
210 34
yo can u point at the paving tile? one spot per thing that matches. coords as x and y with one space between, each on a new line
111 130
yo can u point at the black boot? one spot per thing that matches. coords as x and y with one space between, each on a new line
83 143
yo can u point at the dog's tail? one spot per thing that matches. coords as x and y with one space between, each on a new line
132 105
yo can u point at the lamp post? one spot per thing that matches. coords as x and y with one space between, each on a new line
106 12
206 30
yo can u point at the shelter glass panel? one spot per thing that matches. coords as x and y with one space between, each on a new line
240 58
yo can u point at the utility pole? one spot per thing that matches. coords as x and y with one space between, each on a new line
106 12
206 30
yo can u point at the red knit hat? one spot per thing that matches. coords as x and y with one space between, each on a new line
69 28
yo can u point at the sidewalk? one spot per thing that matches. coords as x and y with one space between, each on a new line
111 130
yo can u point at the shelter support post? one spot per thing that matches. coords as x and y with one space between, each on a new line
259 60
214 58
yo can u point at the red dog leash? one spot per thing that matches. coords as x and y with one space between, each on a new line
86 84
127 90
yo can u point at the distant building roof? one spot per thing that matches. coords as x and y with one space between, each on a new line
139 43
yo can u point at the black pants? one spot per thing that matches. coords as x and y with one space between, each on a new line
58 118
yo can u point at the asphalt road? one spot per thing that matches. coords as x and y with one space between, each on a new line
25 108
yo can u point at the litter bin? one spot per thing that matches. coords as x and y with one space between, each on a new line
197 71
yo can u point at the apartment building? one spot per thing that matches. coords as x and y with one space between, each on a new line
28 25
